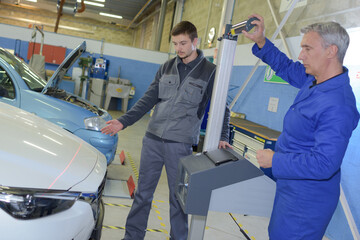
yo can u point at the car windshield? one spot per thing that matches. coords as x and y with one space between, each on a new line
31 78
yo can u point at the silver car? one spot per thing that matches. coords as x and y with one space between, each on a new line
51 181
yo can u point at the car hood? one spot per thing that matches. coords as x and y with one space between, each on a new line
58 75
35 153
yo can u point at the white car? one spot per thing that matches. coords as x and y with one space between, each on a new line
51 181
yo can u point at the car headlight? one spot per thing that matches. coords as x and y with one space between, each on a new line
94 123
34 203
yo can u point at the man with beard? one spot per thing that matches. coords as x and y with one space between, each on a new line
180 93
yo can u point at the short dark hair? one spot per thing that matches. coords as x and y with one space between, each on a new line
185 27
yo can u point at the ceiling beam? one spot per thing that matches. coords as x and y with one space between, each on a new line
139 13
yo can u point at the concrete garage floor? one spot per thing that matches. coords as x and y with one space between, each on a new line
218 226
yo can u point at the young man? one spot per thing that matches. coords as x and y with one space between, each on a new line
180 92
316 132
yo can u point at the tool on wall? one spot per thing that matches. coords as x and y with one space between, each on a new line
100 66
99 78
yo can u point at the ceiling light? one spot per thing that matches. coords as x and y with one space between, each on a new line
92 3
110 15
31 0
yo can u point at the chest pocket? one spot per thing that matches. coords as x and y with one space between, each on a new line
194 91
167 87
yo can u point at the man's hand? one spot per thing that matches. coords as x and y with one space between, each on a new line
258 35
224 144
264 157
113 127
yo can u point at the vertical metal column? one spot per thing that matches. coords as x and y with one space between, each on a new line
177 18
154 31
160 24
216 117
225 63
207 23
178 11
226 17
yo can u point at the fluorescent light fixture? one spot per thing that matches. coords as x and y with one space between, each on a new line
92 3
110 15
31 0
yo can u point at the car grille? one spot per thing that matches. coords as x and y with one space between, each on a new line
94 199
102 186
96 204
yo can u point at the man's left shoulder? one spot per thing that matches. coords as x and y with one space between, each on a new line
208 65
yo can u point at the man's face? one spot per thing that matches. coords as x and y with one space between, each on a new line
184 47
313 54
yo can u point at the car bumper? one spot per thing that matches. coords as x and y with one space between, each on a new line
75 223
104 143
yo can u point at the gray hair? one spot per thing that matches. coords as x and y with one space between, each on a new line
332 33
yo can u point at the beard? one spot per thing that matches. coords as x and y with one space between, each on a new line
185 56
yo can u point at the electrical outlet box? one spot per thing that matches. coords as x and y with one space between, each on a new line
273 104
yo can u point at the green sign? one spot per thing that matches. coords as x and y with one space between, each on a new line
270 76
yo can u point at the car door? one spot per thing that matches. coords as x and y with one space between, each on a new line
9 92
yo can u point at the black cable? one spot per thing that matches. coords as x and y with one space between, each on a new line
241 230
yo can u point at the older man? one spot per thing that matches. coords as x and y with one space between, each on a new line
316 131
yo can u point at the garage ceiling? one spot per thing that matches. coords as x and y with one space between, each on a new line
132 11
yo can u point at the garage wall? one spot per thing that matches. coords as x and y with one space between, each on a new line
83 27
137 65
308 11
203 13
207 13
